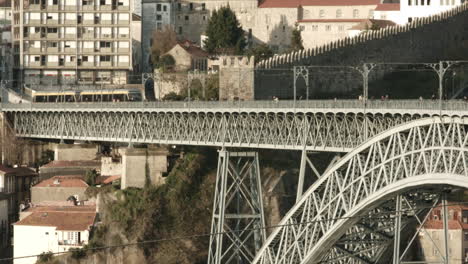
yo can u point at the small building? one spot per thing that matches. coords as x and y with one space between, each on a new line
59 188
68 167
431 239
188 56
52 228
15 183
389 11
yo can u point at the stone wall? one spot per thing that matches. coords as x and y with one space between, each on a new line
75 152
236 78
169 83
47 194
430 39
142 166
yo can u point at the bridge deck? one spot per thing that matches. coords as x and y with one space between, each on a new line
328 125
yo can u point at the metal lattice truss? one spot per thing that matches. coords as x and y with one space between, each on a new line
425 152
338 132
238 209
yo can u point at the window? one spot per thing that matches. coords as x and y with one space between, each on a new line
204 18
179 6
104 44
37 58
322 13
158 7
159 25
186 18
327 27
105 58
164 8
339 13
355 13
466 236
341 28
191 6
314 28
441 2
284 28
158 18
85 58
52 30
180 30
203 6
302 28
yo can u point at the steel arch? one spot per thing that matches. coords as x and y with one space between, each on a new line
425 151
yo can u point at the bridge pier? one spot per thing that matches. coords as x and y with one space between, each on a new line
142 166
238 217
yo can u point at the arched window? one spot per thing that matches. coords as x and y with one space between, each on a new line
339 13
355 13
410 2
322 13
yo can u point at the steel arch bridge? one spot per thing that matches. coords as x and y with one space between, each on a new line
421 153
313 126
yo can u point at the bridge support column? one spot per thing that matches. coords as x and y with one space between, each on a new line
141 166
238 219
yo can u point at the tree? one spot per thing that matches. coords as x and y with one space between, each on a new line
296 39
163 40
224 33
260 52
91 177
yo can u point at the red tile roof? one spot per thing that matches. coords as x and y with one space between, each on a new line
108 179
66 221
73 163
330 20
192 48
297 3
455 223
62 208
63 181
388 7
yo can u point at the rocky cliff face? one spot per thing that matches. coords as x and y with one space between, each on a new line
180 208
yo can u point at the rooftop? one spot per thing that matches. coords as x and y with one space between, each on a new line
71 218
388 7
108 179
72 163
63 181
297 3
20 171
192 48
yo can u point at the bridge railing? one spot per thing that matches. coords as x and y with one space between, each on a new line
450 105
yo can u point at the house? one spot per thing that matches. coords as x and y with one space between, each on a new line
52 228
431 237
59 188
188 56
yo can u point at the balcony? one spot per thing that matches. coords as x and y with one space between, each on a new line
88 21
70 36
69 50
34 64
34 22
52 63
88 50
105 8
105 64
106 36
33 50
70 22
123 22
52 22
69 243
53 49
123 64
106 22
70 64
88 8
88 36
52 7
33 7
52 36
123 8
34 36
87 64
106 50
124 50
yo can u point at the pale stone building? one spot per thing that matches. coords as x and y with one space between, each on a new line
51 228
62 42
188 56
59 188
431 241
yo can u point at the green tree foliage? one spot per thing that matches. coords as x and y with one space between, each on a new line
91 177
172 96
224 33
77 253
296 39
196 89
260 52
46 157
45 257
163 41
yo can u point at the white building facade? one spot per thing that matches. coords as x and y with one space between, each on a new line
67 41
51 230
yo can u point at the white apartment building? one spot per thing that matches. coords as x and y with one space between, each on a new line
60 42
51 228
